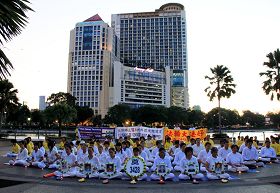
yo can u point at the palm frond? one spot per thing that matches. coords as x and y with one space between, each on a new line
5 65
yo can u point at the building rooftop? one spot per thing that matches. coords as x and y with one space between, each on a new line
94 18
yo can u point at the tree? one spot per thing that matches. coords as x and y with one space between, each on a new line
177 115
61 113
221 86
61 97
12 20
272 84
83 114
195 117
149 114
8 98
254 119
274 118
38 117
118 114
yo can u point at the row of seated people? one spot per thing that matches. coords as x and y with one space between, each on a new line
101 156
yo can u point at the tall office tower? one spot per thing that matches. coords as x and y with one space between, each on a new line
156 40
93 49
42 103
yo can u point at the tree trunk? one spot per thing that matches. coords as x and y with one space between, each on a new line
59 129
219 115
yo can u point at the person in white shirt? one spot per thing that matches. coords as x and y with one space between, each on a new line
203 155
112 167
223 152
268 153
92 162
144 155
215 166
102 157
69 163
192 142
156 149
82 153
162 161
197 147
21 159
250 156
121 154
235 161
243 145
178 157
175 148
126 148
189 166
52 156
146 150
37 155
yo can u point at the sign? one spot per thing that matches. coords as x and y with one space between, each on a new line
110 169
218 167
182 134
162 170
135 167
89 168
94 132
136 132
143 70
191 168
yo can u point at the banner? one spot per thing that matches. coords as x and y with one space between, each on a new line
182 134
136 132
97 132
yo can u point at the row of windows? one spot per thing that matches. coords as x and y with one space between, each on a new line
150 20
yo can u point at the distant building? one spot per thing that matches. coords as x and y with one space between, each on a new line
42 103
138 86
156 40
93 49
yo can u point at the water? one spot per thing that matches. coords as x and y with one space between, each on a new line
261 135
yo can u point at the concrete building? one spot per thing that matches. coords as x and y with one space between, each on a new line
138 86
42 103
156 40
92 51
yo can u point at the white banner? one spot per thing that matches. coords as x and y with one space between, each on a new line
136 132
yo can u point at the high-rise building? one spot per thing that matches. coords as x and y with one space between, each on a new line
156 40
42 103
92 51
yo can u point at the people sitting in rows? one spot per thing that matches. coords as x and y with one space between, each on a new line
189 166
223 152
268 154
82 154
121 154
52 156
235 161
251 156
162 167
215 166
21 159
144 155
203 155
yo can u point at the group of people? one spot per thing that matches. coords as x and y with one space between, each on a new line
193 159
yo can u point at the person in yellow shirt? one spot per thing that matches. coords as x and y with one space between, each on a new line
240 141
188 140
275 146
62 143
168 144
130 140
45 144
29 146
15 149
207 139
149 142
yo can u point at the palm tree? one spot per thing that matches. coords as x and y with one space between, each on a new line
272 84
221 86
12 20
8 98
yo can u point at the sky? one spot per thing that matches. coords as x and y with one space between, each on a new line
234 33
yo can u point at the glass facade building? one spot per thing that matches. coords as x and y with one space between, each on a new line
156 40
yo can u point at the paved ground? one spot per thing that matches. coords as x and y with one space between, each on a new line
261 180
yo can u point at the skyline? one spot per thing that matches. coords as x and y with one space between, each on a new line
208 24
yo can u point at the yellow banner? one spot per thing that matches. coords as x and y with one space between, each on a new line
182 134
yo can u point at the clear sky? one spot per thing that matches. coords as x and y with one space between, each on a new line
235 33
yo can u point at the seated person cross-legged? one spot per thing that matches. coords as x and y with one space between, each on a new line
235 161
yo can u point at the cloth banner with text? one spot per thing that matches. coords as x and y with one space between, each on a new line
182 134
136 132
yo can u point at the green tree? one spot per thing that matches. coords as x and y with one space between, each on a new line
272 84
177 115
12 20
221 86
38 117
195 117
274 118
118 114
8 99
61 113
83 114
253 119
61 97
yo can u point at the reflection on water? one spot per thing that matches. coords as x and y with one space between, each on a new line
261 135
33 137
